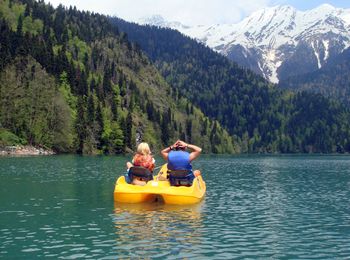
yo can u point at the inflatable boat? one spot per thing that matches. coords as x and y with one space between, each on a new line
160 189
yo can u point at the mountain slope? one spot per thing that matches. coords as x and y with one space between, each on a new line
278 42
70 81
98 93
332 80
261 117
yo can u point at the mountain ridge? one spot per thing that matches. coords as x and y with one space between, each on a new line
74 81
260 116
271 40
331 80
71 82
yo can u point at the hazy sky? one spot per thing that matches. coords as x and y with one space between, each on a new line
189 12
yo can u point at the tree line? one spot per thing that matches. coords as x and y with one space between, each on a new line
260 117
71 81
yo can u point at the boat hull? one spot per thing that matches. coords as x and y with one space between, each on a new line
159 190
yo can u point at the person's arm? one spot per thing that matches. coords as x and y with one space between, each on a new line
153 164
166 151
196 151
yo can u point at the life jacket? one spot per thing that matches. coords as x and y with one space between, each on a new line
145 161
179 160
180 168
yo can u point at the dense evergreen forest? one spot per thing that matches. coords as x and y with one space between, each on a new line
72 82
332 80
259 116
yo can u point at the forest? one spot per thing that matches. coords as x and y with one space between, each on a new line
260 116
332 80
81 82
72 82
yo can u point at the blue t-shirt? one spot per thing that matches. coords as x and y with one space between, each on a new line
179 160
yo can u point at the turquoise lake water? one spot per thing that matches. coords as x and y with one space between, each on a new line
267 207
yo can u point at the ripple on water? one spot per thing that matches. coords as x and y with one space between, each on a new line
262 207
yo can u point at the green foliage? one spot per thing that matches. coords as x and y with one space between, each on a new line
11 13
66 92
79 49
31 107
8 139
62 123
74 83
116 138
31 26
71 101
332 80
258 116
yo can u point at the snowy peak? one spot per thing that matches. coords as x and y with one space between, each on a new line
158 20
286 24
266 26
276 41
325 8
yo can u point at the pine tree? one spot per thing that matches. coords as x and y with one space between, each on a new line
165 129
81 126
90 110
99 127
189 130
5 51
128 131
107 85
20 26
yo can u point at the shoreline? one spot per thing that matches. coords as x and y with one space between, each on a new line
24 150
28 150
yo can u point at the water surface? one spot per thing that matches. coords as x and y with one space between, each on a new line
280 207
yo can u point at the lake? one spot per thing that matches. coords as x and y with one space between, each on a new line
279 207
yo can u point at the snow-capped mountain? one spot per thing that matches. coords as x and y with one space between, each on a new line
158 20
277 42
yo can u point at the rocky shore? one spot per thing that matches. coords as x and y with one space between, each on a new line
24 150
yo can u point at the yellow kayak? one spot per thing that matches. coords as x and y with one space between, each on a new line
157 189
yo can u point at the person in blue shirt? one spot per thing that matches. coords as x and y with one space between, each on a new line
179 159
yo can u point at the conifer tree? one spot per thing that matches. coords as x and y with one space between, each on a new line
107 85
165 129
80 126
189 130
128 131
99 126
90 110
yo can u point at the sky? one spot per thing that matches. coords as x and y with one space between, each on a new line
189 12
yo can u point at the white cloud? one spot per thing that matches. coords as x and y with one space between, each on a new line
189 12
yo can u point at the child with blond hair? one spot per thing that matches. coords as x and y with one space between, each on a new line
142 158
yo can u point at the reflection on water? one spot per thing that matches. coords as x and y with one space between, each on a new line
256 207
143 229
